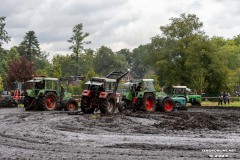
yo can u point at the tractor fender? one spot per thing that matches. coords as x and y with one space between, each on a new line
86 93
103 95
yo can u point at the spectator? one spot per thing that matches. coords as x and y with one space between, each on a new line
220 99
225 97
139 87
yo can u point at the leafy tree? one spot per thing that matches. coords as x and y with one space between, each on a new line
169 53
86 61
3 33
20 70
57 73
106 61
103 62
29 47
127 56
1 84
7 57
139 66
77 41
66 63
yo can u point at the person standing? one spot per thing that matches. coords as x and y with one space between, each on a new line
225 97
220 99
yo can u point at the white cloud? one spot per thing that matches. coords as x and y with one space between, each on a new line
116 24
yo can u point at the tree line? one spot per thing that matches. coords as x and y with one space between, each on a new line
182 54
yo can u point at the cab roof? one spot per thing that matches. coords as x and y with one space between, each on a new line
141 80
98 79
38 79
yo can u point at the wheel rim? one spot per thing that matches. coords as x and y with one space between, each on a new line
149 105
71 107
168 106
50 102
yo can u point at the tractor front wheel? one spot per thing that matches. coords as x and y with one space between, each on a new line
71 105
85 104
107 106
48 102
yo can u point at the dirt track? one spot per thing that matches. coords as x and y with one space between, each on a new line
194 134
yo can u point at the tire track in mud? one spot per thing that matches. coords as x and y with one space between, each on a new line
136 135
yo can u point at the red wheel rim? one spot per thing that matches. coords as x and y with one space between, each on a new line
71 107
50 102
168 106
149 105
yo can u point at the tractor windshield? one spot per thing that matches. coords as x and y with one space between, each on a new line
96 86
35 84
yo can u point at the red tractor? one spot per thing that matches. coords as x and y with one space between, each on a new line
100 94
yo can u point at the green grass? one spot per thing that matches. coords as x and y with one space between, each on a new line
232 103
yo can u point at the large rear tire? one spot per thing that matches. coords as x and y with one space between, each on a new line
71 105
149 103
48 102
168 105
107 106
85 106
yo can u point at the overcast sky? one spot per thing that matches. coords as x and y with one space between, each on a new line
116 24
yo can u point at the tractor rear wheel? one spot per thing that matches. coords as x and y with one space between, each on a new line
14 104
196 103
167 105
71 105
48 102
27 102
149 103
85 106
107 106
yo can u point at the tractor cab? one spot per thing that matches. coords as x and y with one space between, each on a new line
39 85
137 88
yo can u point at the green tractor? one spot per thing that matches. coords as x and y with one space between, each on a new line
100 94
43 93
188 94
7 100
141 95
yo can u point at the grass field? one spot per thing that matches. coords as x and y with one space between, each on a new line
232 103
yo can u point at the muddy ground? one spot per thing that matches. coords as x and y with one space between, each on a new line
199 133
